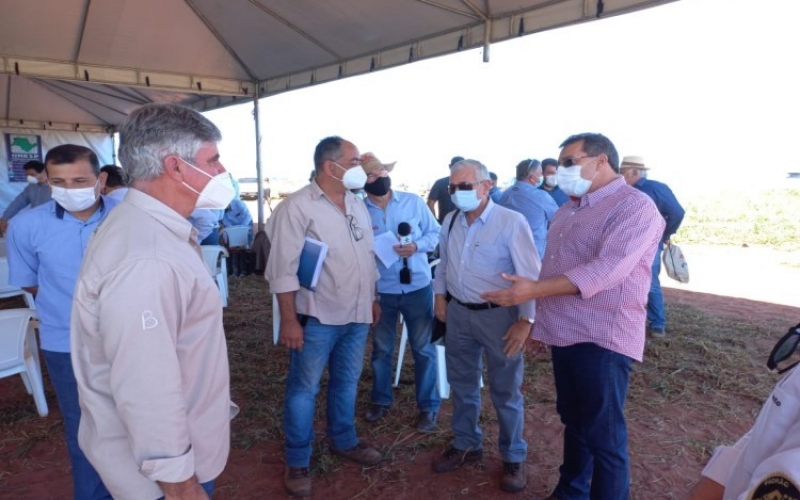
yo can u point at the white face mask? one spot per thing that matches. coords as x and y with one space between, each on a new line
466 201
217 194
571 182
74 200
32 180
353 178
550 180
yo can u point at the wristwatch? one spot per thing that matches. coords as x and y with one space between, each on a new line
523 318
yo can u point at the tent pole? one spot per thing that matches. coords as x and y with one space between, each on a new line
259 174
487 39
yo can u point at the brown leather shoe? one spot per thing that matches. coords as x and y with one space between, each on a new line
514 476
376 412
361 453
426 421
453 458
297 481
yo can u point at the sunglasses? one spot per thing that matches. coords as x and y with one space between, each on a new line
461 186
784 349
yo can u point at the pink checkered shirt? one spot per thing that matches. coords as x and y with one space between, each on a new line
604 244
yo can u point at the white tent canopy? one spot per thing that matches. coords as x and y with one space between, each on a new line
84 65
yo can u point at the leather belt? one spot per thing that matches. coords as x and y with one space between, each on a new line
477 307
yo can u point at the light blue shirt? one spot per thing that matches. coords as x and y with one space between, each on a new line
237 214
45 249
411 208
472 257
205 220
535 205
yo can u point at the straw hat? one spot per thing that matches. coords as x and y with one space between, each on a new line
370 162
633 162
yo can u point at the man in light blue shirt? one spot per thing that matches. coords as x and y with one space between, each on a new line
484 241
45 250
536 205
404 288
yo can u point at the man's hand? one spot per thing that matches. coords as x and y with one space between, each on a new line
706 489
185 490
521 290
376 312
440 308
405 251
515 338
3 226
291 333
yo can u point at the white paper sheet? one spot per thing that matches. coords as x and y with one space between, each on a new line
383 248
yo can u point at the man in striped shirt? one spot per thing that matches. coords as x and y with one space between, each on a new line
591 296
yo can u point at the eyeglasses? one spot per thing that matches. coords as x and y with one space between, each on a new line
784 349
357 232
461 186
571 162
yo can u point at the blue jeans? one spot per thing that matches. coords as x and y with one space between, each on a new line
87 484
341 347
591 386
417 310
208 486
656 317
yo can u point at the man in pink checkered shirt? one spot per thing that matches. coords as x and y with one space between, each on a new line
591 309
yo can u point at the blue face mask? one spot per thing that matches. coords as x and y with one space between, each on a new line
466 201
541 180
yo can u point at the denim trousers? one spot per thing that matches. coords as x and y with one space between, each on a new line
87 484
591 386
656 317
470 336
341 347
417 310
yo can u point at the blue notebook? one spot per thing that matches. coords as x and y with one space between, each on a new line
311 259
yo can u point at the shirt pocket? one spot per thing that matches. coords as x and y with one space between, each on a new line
489 259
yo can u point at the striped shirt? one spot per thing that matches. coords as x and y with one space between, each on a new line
604 244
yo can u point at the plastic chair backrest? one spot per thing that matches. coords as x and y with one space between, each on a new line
235 236
13 329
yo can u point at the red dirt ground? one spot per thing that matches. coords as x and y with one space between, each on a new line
43 472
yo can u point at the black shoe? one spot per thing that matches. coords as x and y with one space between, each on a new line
453 458
426 421
376 412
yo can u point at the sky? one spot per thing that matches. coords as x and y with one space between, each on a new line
703 89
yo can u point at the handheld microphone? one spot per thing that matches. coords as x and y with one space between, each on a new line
404 232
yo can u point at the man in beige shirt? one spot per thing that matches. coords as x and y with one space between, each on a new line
148 347
327 325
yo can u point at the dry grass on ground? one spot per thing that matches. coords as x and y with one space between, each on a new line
700 387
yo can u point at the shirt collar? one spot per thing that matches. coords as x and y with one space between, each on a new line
165 215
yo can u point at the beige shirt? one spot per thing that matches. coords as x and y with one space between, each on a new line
346 286
149 353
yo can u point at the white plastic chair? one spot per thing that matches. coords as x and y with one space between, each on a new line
216 258
7 290
235 236
19 353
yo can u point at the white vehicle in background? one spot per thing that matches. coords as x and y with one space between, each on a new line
248 188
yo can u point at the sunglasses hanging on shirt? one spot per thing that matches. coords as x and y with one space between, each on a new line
784 349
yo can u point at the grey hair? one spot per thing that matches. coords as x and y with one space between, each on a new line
155 131
481 172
